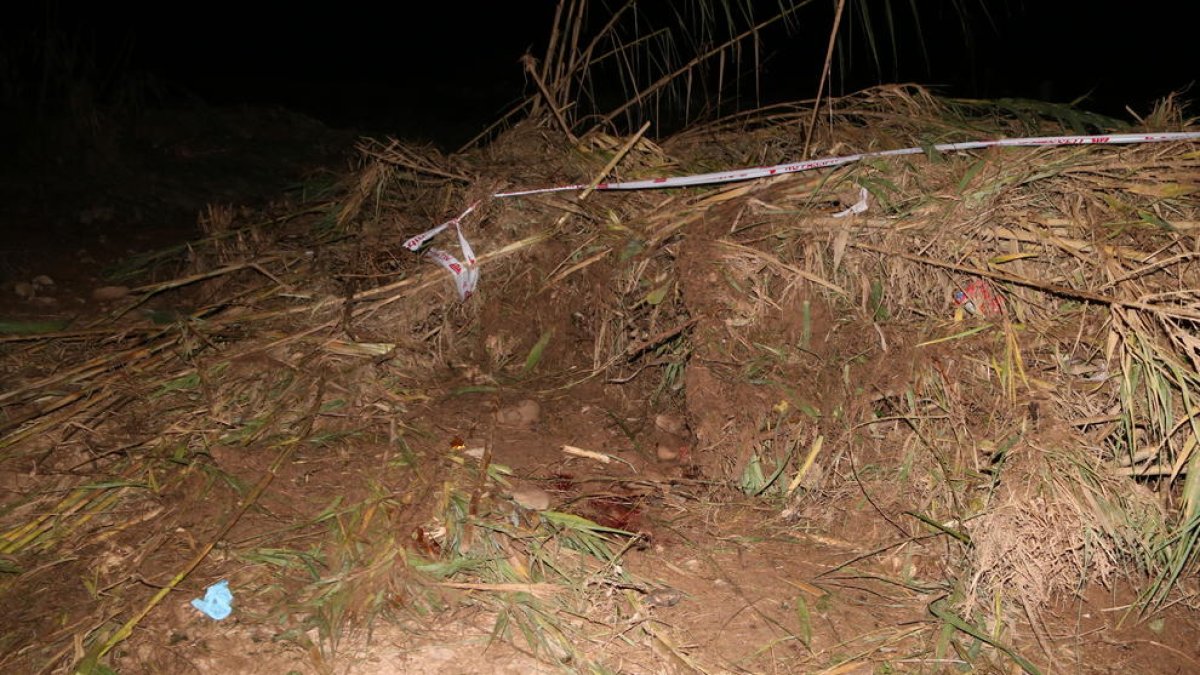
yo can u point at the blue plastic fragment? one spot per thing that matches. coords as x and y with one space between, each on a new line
217 602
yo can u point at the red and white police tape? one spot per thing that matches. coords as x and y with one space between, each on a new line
466 274
795 167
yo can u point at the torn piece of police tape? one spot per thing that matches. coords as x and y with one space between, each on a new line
466 273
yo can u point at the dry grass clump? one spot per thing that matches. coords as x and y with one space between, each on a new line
1058 521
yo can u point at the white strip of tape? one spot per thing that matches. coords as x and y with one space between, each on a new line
466 273
795 167
415 242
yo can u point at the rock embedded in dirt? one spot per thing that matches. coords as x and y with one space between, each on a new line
669 447
663 597
23 289
42 281
522 414
532 498
109 293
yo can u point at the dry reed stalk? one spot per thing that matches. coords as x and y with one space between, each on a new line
812 121
612 163
667 79
393 152
741 250
89 369
555 109
148 291
78 334
1053 289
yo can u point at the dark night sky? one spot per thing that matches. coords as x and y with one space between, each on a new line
455 64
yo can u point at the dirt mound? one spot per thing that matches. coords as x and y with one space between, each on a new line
712 429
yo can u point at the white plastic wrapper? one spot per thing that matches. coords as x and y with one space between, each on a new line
859 206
